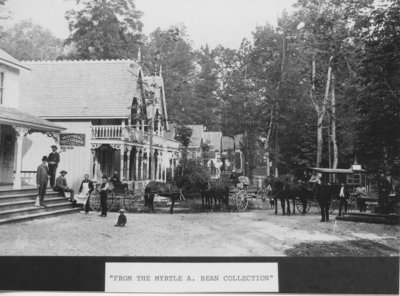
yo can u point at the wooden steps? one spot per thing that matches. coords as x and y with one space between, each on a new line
19 205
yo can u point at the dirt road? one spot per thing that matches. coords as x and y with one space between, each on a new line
252 233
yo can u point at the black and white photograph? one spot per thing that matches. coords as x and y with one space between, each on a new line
225 134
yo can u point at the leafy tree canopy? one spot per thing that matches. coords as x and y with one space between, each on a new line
104 29
29 41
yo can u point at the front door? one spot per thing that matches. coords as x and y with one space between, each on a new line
7 151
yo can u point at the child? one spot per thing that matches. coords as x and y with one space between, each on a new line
121 218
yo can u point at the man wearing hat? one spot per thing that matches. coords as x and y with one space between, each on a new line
42 177
54 159
103 195
61 185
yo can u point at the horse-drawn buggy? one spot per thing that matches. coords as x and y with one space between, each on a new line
351 181
244 193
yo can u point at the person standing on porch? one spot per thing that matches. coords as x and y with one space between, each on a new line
42 177
53 159
103 195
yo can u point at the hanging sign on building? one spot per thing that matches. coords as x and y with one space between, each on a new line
72 139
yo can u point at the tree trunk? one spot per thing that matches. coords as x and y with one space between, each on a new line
333 118
321 109
319 138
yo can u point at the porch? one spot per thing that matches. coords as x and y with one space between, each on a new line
136 153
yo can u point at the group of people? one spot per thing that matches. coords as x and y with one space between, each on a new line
324 194
46 172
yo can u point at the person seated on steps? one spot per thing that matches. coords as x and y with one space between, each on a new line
61 186
121 218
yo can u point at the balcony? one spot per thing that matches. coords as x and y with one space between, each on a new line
127 133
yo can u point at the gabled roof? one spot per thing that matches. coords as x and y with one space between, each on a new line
156 85
79 89
213 139
197 136
9 60
13 116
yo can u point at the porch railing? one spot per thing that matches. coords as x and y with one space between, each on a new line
127 133
106 131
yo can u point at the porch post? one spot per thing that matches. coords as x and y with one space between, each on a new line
137 165
147 165
159 164
21 132
128 162
121 168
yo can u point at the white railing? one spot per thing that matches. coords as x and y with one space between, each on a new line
130 134
106 131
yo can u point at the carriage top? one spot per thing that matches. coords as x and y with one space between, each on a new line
353 176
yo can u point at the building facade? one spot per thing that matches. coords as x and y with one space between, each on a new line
16 126
115 119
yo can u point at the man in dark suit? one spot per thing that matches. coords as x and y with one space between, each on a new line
62 186
42 177
53 159
343 198
324 196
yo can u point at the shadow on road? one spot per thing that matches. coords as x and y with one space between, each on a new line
360 247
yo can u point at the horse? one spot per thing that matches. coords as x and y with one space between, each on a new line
217 190
285 191
168 190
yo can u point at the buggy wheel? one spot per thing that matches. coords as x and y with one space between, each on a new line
300 207
95 201
111 201
132 200
352 204
242 200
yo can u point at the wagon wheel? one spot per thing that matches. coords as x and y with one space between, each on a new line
299 205
132 200
262 193
95 201
352 203
112 202
242 200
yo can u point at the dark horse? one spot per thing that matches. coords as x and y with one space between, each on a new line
285 192
217 191
168 190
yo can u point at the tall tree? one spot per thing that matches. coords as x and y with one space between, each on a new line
104 29
205 91
170 52
378 140
29 41
325 31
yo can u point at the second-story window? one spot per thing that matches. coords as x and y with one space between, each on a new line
1 87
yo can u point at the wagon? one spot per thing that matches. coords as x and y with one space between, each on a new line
352 177
118 197
244 194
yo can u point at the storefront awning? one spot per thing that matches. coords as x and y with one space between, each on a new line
13 116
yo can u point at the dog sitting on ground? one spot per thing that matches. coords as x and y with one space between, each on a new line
121 218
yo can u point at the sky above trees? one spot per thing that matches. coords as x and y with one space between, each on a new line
211 22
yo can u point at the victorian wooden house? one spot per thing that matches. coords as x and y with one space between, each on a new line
115 119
